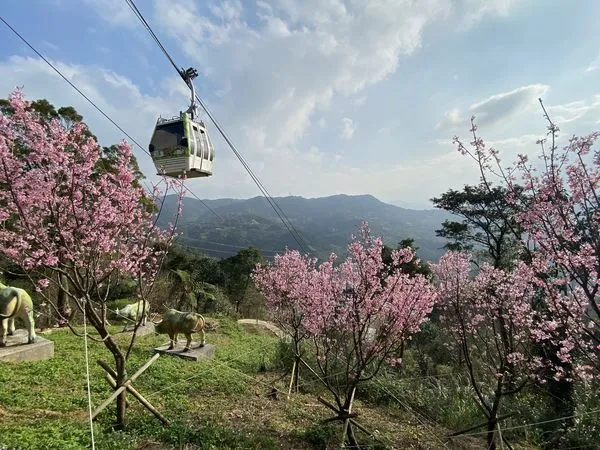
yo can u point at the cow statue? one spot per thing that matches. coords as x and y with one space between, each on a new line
134 311
174 322
15 302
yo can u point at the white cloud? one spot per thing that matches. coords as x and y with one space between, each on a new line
502 106
115 12
497 107
452 118
348 128
573 111
359 101
50 45
594 65
301 55
471 11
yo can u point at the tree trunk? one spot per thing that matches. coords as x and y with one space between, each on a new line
122 398
120 360
352 442
349 431
63 301
297 359
562 404
493 417
491 430
296 377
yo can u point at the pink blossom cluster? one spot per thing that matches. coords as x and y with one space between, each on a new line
334 303
490 315
59 212
561 223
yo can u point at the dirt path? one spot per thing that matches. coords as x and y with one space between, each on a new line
268 325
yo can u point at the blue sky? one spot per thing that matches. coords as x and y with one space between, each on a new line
322 96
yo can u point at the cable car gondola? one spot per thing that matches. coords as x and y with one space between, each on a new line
181 145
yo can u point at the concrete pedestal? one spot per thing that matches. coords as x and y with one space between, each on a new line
17 349
195 353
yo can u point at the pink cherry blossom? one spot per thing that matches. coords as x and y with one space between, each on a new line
62 214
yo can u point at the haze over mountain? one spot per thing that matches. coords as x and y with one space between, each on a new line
325 224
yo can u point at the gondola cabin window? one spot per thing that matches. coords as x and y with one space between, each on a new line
169 140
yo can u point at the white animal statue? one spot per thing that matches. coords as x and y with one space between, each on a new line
134 311
15 302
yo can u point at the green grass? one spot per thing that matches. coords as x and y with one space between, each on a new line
43 404
215 404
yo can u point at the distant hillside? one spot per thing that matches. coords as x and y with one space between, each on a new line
325 224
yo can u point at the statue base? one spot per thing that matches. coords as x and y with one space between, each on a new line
142 329
17 349
195 353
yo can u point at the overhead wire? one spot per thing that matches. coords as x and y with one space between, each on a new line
278 210
91 102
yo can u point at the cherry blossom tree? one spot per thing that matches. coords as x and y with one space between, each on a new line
286 284
358 314
491 321
62 216
561 226
562 223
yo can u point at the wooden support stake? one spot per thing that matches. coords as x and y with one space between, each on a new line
291 380
351 416
347 420
111 375
142 400
479 425
113 384
124 386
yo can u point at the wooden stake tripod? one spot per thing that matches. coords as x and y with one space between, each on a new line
111 378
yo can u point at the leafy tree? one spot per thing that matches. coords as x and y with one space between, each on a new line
238 272
489 223
287 283
415 266
67 220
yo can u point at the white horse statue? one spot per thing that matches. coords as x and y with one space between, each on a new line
15 302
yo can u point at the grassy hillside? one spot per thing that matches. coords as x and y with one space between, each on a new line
223 403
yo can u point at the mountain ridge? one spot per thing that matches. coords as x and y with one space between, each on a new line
324 223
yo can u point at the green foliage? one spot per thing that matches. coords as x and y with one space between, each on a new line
415 267
237 271
322 436
488 222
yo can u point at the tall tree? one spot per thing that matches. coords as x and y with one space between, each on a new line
63 217
238 271
562 222
340 306
489 223
493 324
415 266
67 117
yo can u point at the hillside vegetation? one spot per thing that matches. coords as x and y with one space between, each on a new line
222 403
324 223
